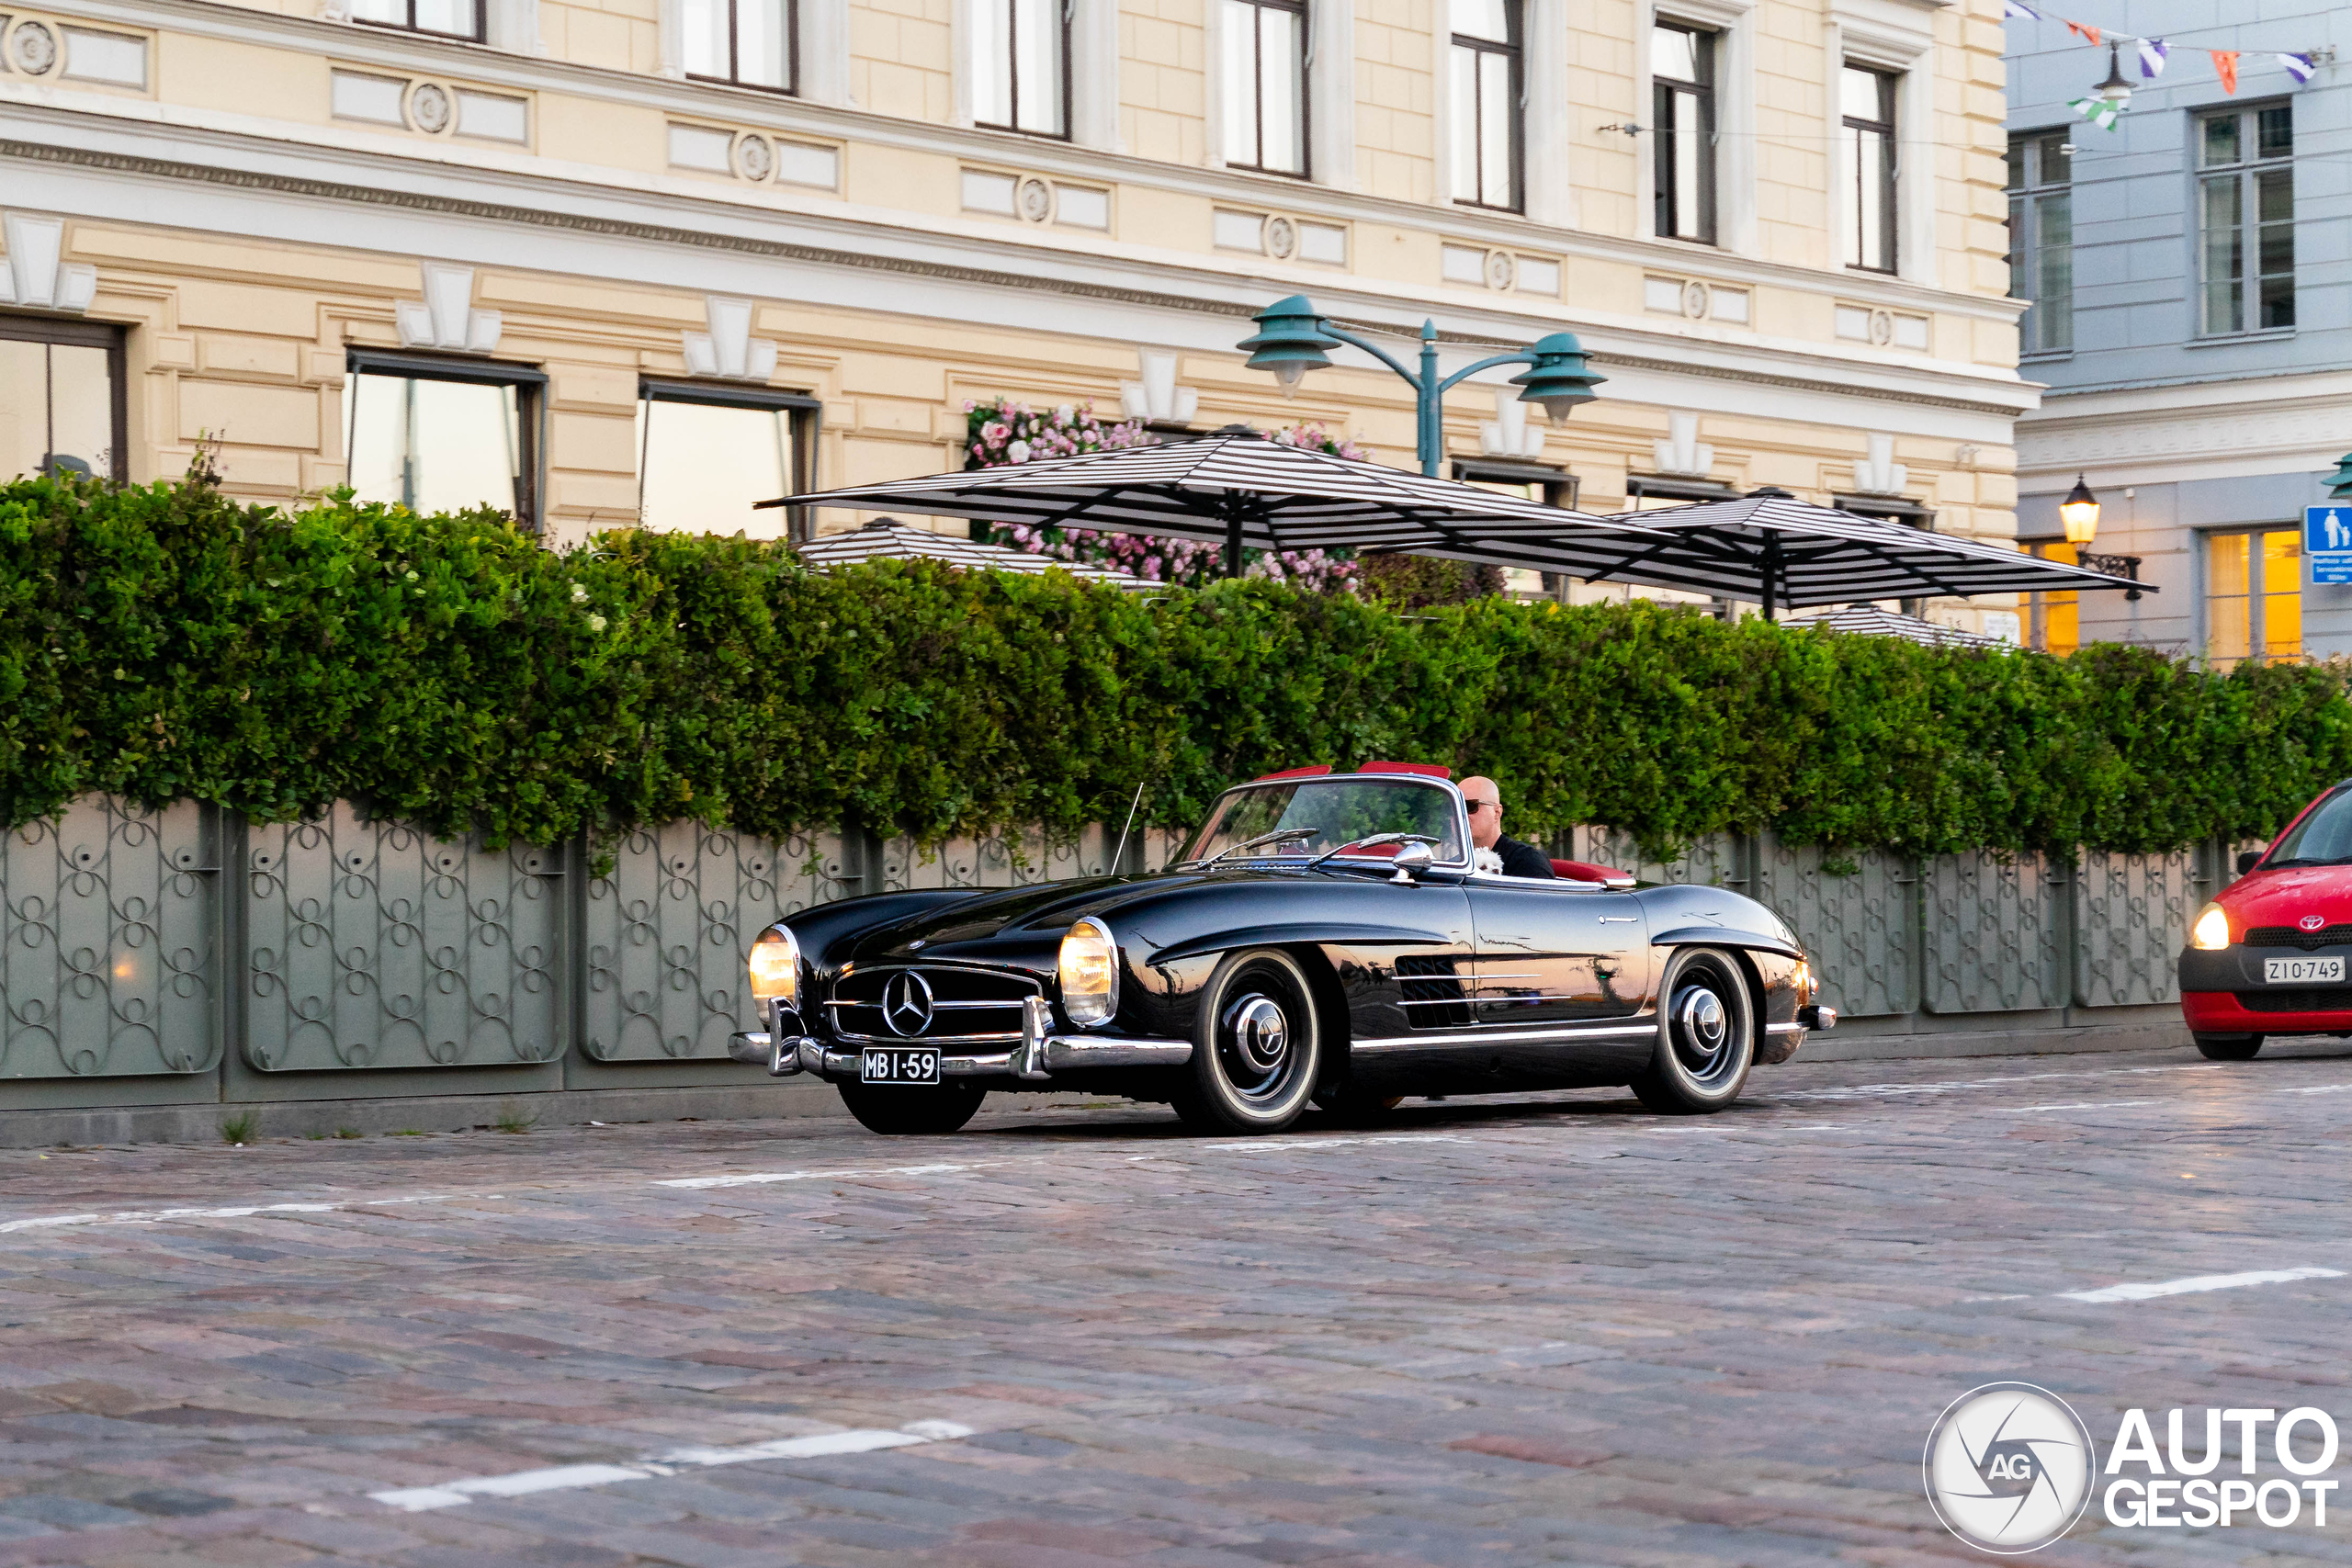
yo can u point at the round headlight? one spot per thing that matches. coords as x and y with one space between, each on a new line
2212 932
775 967
1090 974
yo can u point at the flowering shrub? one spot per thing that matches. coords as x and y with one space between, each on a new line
1002 431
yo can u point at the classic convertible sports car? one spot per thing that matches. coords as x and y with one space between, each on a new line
1324 938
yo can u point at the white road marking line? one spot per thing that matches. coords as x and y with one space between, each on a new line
2200 1282
571 1477
243 1211
2320 1089
2075 1105
761 1179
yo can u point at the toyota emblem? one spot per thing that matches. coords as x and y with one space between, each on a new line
2312 922
906 1003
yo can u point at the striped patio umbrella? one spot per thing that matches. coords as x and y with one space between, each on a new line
1242 490
1869 620
1773 549
887 538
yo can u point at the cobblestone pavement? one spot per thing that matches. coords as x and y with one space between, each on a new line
1551 1329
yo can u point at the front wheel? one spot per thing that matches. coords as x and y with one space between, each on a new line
1256 1048
1706 1035
2228 1048
894 1109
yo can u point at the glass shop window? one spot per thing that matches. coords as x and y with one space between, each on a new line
707 453
61 398
435 437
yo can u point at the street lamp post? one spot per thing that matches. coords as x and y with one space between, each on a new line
1292 337
2080 514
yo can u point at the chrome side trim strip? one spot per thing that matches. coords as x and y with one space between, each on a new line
1563 1036
1785 1029
1064 1051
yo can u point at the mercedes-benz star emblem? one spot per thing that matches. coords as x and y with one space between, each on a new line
906 1003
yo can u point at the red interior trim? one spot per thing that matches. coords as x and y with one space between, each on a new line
1426 770
1316 772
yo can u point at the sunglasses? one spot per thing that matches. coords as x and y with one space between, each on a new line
1475 806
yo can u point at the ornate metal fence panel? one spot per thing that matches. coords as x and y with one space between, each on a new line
1995 934
2131 915
665 934
1857 914
110 943
369 945
1714 861
1022 858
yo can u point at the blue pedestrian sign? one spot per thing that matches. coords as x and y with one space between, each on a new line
2327 540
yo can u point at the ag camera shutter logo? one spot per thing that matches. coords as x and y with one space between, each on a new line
2009 1467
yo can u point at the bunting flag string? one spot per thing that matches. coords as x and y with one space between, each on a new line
2154 53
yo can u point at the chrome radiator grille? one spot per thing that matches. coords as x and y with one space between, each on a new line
929 1002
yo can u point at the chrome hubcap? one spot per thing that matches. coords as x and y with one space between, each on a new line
1701 1026
1257 1045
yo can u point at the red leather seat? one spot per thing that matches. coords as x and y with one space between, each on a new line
1584 871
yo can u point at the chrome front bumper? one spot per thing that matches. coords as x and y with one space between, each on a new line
1040 1054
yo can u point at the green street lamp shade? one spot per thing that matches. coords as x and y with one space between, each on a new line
1559 379
1290 341
2339 483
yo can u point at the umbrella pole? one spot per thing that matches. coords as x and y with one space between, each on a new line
1772 573
1233 541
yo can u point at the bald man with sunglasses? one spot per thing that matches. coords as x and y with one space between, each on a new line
1485 801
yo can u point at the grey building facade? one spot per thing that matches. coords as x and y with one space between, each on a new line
2192 318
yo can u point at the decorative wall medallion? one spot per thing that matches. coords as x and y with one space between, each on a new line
1694 300
1034 200
33 46
1882 328
428 108
754 156
1501 270
1281 238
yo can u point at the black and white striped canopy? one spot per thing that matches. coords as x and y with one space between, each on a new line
1278 497
887 538
1869 620
1782 552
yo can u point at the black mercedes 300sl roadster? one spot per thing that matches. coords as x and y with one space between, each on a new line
1324 938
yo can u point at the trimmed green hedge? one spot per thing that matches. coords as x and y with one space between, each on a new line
166 642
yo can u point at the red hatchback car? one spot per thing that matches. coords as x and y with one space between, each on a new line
2267 957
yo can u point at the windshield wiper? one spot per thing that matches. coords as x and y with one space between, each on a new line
1368 843
1277 836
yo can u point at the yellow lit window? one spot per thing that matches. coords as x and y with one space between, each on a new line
2055 618
2254 597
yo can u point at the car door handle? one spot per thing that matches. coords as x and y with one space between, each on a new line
1617 920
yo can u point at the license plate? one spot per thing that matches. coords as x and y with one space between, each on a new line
898 1064
2302 971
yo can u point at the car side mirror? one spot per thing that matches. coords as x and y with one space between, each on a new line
2248 859
1411 860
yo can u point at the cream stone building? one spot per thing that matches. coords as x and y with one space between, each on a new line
597 261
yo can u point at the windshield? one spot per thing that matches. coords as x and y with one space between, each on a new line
2323 837
1340 811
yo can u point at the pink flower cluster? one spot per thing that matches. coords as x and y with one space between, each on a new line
1002 432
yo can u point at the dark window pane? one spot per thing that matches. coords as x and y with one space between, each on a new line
2219 144
2275 132
2279 301
2017 179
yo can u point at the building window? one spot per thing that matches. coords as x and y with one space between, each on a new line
751 43
446 18
708 453
1265 86
1023 78
2254 597
2053 622
442 435
1683 76
2041 240
2246 220
62 397
1866 99
1490 89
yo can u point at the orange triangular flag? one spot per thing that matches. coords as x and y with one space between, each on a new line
2225 65
2083 31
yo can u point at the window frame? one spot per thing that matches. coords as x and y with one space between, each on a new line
1561 488
480 35
86 335
805 411
1304 12
1706 54
1513 47
531 384
2257 622
2246 173
1889 133
2029 198
1064 9
734 78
